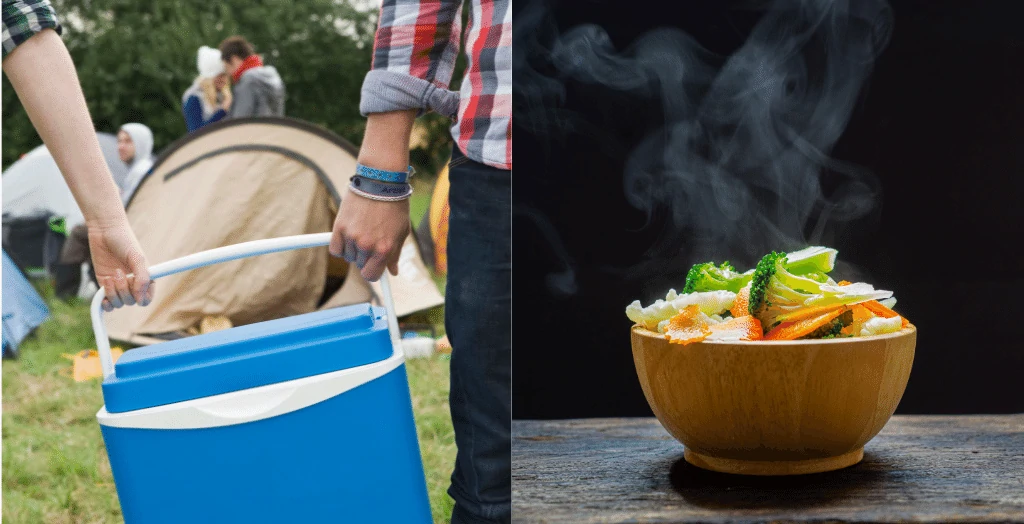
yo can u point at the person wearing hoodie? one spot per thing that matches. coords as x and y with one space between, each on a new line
258 89
135 148
208 99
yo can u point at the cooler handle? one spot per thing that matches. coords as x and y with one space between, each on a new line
226 254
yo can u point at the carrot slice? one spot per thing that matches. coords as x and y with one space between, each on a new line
739 328
844 283
687 327
809 312
800 328
883 311
861 315
741 307
879 309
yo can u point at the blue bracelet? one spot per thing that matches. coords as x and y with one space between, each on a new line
376 190
394 177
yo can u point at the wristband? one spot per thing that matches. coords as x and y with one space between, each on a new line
394 177
381 191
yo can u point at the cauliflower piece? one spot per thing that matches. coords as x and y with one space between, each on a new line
879 325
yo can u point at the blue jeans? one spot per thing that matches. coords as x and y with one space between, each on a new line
478 319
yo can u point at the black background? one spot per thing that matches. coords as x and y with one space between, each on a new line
941 123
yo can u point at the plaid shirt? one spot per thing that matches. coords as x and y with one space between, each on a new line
24 18
416 45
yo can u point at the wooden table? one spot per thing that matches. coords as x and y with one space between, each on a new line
919 468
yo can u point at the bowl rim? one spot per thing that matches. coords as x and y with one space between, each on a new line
911 328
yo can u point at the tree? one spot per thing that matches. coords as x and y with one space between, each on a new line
135 59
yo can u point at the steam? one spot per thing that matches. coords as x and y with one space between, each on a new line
739 165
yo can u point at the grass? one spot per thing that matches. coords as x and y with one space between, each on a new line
55 468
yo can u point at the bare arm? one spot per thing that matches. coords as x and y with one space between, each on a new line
376 227
44 77
404 80
386 140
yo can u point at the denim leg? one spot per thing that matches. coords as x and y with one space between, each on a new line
478 319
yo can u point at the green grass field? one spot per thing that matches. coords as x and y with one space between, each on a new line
55 469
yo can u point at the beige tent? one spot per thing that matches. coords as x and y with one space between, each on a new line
242 180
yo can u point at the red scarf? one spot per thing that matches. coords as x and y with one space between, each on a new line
247 64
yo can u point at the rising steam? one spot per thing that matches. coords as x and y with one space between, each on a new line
738 165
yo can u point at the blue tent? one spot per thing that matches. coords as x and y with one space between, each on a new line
23 308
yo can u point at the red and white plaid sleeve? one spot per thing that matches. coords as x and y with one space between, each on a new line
414 55
419 38
415 48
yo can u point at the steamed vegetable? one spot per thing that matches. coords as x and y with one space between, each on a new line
787 296
710 303
880 325
829 323
709 277
776 290
689 326
739 328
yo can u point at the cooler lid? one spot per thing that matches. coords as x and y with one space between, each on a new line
247 357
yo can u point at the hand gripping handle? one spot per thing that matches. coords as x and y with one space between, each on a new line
226 254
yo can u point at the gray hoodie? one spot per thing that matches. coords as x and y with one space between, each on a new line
259 92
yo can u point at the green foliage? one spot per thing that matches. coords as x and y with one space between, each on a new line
135 60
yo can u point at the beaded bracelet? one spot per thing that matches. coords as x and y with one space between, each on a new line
380 191
380 175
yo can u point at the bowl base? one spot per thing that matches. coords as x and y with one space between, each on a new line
773 467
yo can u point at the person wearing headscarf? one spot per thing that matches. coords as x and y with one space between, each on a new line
208 99
135 147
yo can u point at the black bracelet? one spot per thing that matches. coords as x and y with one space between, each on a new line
376 190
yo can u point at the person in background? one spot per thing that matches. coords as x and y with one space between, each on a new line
258 89
209 98
415 49
135 148
40 70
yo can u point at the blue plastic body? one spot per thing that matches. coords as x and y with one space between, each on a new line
247 357
351 458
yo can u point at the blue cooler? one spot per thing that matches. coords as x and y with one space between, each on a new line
305 419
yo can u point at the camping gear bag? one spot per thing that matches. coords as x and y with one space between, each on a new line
33 243
300 419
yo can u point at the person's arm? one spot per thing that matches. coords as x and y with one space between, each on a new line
193 114
415 48
44 78
216 117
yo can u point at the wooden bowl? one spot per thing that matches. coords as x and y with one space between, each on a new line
774 408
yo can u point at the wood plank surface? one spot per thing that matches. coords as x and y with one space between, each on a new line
918 469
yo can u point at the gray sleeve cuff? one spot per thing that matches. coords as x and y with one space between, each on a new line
385 91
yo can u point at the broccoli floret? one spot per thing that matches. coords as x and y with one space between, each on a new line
776 290
709 277
763 273
834 328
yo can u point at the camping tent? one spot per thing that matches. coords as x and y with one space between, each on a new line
248 179
34 192
34 184
23 308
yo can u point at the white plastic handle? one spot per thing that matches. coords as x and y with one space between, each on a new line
226 254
